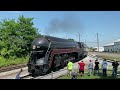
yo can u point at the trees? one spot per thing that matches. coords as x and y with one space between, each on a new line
16 37
91 49
71 39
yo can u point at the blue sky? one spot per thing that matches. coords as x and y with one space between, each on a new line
87 23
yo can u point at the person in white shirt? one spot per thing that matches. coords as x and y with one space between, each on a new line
90 68
104 66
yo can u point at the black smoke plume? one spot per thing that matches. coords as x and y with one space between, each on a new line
68 24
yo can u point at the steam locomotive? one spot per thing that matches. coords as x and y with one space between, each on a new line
48 53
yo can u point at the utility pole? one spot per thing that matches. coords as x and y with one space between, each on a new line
79 37
98 42
85 41
66 37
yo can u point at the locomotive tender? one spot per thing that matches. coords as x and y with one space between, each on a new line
49 53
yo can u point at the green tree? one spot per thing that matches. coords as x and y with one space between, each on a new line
27 32
16 36
91 49
71 39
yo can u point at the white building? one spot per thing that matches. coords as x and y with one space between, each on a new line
117 45
113 47
101 49
109 47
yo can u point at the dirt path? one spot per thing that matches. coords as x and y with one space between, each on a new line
108 55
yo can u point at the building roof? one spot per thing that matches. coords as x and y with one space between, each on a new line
118 40
110 44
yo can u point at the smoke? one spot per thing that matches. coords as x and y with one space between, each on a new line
68 24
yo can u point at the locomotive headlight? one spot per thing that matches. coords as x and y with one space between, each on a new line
34 47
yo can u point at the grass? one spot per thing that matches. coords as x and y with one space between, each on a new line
109 57
10 62
105 55
109 72
109 76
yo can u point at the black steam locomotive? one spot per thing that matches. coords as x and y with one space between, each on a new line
49 53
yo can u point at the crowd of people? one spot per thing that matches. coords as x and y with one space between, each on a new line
93 68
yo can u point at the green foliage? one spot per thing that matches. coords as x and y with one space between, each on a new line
12 61
71 39
91 49
16 37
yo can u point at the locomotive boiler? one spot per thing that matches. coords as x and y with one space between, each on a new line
49 53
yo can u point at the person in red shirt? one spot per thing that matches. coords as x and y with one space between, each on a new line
81 68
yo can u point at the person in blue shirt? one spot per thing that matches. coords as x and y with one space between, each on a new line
18 75
104 66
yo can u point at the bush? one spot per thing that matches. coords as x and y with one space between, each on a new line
7 62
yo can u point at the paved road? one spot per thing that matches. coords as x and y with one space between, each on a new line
11 74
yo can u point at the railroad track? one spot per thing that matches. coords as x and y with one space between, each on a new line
52 75
27 77
5 69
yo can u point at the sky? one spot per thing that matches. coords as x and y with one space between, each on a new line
69 24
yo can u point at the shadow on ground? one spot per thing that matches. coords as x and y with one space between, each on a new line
109 75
